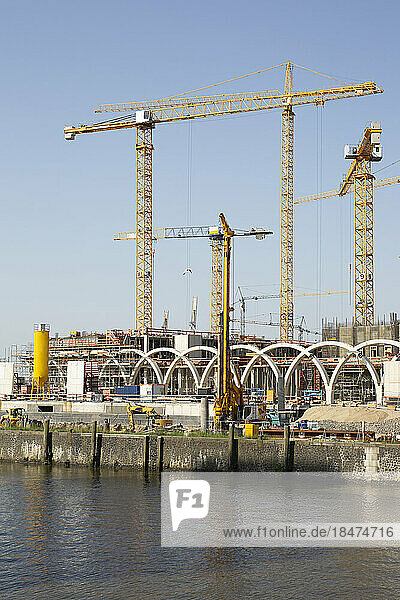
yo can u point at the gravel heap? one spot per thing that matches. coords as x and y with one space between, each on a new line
349 418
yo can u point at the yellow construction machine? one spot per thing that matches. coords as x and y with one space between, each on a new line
14 418
153 417
229 402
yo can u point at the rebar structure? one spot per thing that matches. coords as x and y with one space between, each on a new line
144 227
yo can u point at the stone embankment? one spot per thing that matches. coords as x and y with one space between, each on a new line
177 453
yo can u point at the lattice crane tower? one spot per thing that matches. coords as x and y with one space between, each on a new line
360 177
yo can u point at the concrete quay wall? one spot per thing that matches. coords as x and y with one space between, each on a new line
180 453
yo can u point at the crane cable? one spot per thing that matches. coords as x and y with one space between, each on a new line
250 75
189 216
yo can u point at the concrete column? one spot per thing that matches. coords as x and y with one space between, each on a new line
281 393
179 381
329 394
371 459
204 414
379 395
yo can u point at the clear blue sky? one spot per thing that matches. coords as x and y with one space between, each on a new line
63 201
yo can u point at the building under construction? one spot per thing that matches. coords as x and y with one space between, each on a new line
167 363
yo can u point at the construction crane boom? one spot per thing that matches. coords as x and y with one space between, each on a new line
149 113
216 237
203 106
378 183
243 300
276 324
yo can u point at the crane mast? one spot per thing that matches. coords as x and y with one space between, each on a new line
144 225
287 145
360 177
360 181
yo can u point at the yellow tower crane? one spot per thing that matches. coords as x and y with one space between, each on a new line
361 182
360 177
217 250
146 115
215 235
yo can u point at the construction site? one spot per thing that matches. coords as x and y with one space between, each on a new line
240 377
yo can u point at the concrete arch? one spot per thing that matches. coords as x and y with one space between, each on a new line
144 358
113 361
368 364
307 353
252 362
183 354
211 364
207 371
302 352
279 345
378 342
296 361
210 349
188 363
57 366
245 347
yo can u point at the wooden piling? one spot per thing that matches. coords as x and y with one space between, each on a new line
288 449
160 453
47 443
146 452
232 449
93 443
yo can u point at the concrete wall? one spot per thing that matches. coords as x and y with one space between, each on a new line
180 411
199 453
19 446
260 455
195 454
330 456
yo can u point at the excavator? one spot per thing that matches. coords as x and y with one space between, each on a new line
14 418
153 417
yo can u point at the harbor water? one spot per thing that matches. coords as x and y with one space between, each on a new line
72 533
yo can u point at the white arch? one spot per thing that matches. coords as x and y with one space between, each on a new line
253 360
306 353
207 370
109 362
174 364
245 347
195 373
145 358
368 364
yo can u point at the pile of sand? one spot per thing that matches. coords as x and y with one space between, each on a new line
350 414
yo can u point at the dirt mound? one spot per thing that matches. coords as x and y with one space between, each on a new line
350 414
